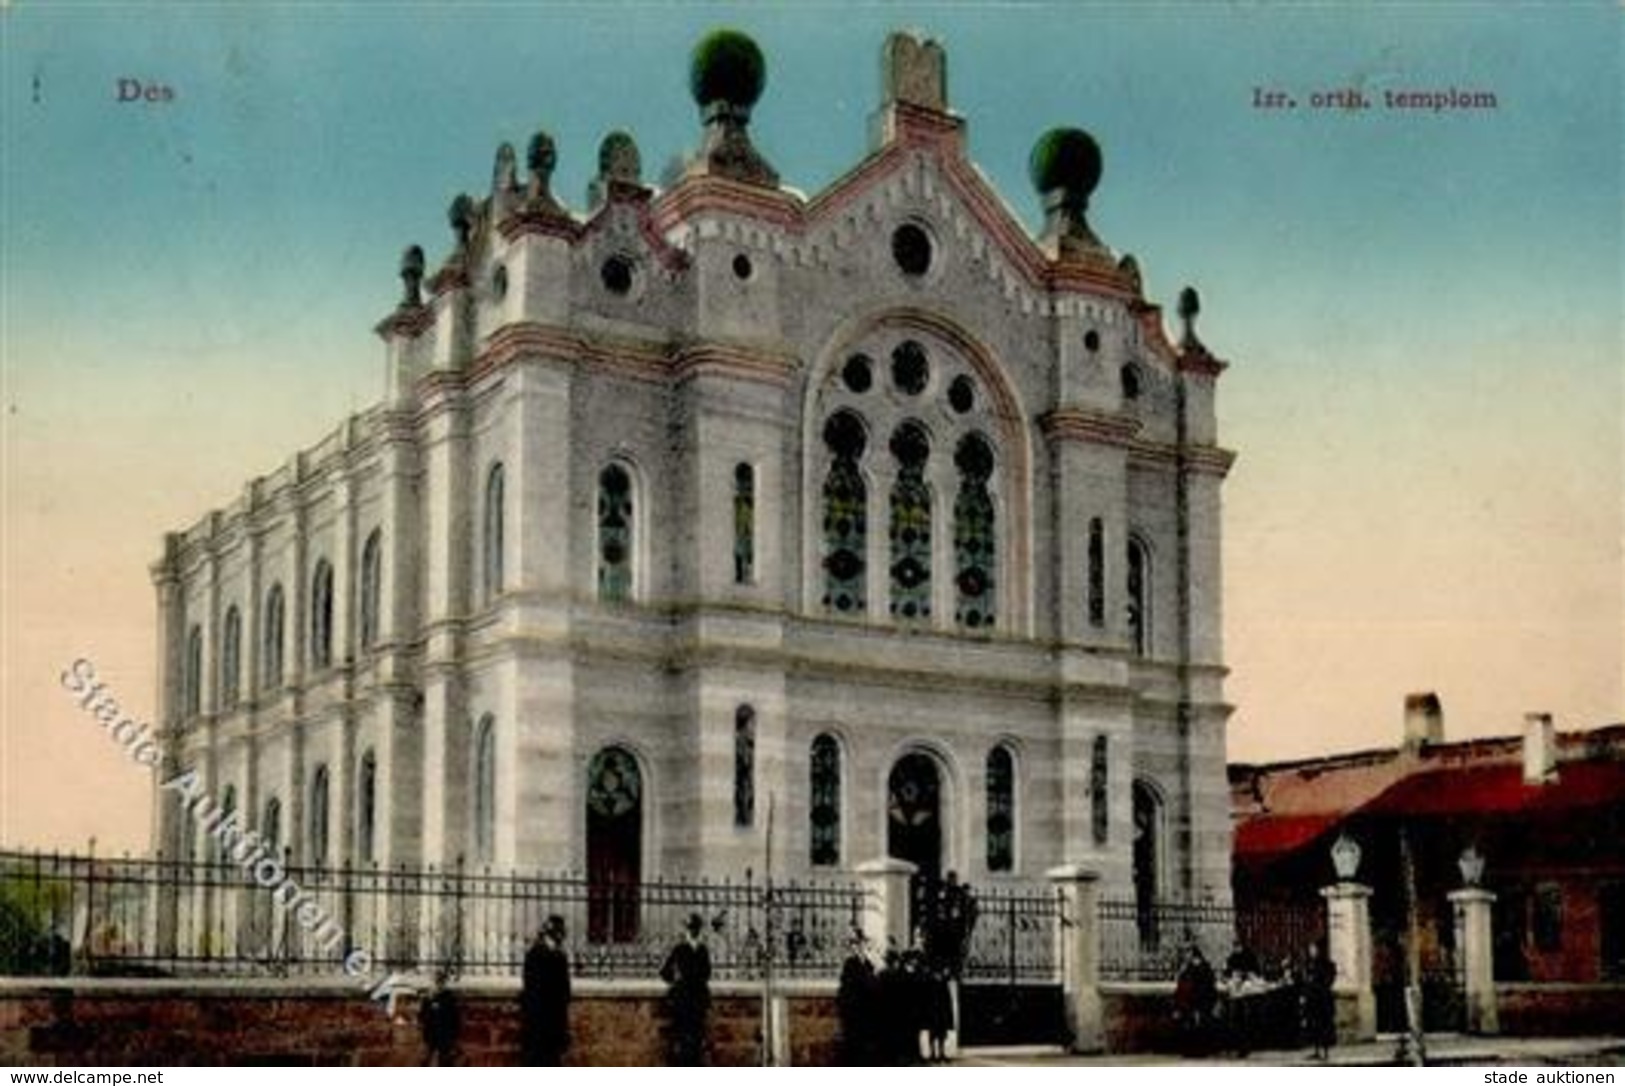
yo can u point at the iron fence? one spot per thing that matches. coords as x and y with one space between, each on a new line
1014 938
1149 940
160 917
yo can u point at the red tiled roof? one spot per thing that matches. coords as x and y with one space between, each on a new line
1270 835
1500 790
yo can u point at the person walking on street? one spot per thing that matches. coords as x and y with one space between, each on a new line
687 973
1319 1006
544 999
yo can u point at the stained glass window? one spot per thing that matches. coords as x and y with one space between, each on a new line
744 524
1097 573
485 788
975 539
745 766
271 671
824 815
845 516
231 656
1138 585
318 816
910 526
321 615
1001 809
192 692
614 535
493 532
372 587
1098 795
366 807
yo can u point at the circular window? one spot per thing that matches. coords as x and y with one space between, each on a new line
742 268
617 275
1091 341
858 373
1131 382
911 249
499 282
962 394
909 369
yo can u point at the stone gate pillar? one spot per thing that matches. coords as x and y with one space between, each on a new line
1348 938
885 914
1476 964
1077 944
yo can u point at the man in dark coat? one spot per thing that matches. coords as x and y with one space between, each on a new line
687 974
855 1002
544 1001
439 1022
1319 1002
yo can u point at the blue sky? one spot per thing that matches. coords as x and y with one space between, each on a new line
1423 310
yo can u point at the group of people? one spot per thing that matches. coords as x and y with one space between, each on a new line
1240 1009
544 1001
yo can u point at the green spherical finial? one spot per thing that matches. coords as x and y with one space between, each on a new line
727 67
1065 159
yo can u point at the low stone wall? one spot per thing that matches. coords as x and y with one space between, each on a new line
1139 1017
1560 1010
174 1023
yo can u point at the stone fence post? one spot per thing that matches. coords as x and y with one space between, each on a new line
1348 939
1477 963
885 914
1077 944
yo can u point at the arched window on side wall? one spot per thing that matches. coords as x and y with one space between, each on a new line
271 827
1147 861
615 535
318 816
745 767
1139 594
492 571
1097 573
485 789
1099 794
271 642
231 658
321 615
744 524
1001 809
366 818
228 807
975 537
192 684
372 587
824 813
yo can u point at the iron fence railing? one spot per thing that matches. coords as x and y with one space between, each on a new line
160 917
1015 935
1142 940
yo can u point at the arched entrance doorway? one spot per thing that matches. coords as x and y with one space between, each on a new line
1147 861
914 814
614 845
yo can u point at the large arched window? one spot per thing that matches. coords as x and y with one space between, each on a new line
485 789
1139 594
744 766
1001 809
1097 573
1099 794
321 615
615 535
975 539
910 526
366 802
318 816
231 658
372 587
492 569
824 812
271 640
271 827
846 516
744 524
192 680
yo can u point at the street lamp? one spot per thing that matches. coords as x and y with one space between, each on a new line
1471 864
1345 857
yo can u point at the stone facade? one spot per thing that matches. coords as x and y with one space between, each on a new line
633 550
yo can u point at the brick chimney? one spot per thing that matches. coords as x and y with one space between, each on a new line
1424 721
1539 749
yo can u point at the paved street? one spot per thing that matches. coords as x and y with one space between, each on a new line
1442 1049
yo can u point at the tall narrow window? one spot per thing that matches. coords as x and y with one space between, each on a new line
846 516
492 572
1099 795
372 586
228 807
615 538
318 816
321 615
485 789
824 813
1139 579
1001 809
231 658
271 642
1097 573
744 524
745 767
192 680
271 827
975 539
366 818
910 526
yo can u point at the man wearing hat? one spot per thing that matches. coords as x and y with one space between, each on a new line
687 974
544 1001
